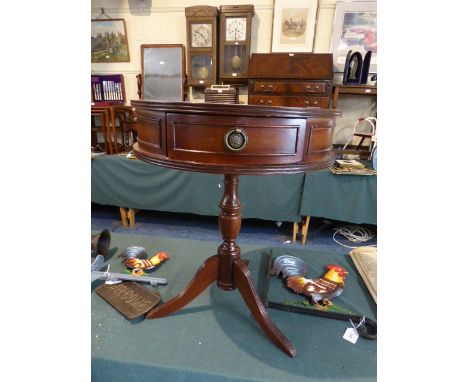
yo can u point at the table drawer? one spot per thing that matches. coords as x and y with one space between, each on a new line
289 87
204 139
268 100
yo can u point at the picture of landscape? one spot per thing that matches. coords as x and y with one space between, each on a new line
109 41
293 25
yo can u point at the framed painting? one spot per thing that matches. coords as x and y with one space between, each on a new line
355 28
294 25
109 41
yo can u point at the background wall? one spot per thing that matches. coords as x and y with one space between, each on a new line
163 22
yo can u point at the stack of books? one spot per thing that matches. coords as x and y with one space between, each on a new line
351 167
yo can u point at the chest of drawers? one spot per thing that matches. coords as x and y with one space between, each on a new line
291 79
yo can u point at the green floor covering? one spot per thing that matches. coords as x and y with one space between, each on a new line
215 338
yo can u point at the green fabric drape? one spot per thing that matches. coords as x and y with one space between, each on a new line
215 338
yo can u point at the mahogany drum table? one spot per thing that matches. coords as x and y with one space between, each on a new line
232 140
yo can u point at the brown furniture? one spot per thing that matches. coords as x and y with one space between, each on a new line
108 116
232 140
234 43
352 89
202 43
291 79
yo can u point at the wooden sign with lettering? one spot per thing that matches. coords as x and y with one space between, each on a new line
129 298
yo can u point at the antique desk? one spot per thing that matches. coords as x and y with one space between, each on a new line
232 140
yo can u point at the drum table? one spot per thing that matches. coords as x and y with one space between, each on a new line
232 140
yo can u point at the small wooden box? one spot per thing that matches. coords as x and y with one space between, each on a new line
221 94
107 89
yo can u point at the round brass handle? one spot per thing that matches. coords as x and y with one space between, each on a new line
270 101
262 101
235 140
307 103
315 102
262 85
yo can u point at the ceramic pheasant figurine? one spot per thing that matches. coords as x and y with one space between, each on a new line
320 290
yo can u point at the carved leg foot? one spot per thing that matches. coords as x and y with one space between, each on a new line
243 282
206 275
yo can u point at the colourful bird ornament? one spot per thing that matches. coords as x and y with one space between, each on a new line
320 290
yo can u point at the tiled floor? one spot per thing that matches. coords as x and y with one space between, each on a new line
253 231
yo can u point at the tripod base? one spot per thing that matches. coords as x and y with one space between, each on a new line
205 276
228 270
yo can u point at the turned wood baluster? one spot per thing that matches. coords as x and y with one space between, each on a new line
229 224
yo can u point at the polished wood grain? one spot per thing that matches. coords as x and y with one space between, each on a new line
204 277
244 283
190 137
193 137
292 65
291 79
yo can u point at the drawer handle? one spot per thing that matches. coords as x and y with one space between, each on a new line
262 101
235 140
270 102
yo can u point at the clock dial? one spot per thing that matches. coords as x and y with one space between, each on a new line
236 28
202 35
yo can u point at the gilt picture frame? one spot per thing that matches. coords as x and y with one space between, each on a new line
355 28
294 25
109 42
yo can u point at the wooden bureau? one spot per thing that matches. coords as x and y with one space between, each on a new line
291 79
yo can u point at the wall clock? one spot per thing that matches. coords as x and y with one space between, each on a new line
202 31
235 32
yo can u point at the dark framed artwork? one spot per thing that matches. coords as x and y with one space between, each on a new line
109 41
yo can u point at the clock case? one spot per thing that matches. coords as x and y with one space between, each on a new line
228 49
202 14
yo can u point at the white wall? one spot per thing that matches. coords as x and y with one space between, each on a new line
163 22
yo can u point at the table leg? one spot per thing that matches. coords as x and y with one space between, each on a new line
123 217
295 231
305 229
228 270
244 283
206 275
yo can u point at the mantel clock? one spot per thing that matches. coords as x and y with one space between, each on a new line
202 32
235 31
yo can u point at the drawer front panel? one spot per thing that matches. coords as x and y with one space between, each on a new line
267 100
289 87
202 138
151 131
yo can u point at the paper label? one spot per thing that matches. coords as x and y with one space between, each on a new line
367 90
201 82
161 62
234 74
351 335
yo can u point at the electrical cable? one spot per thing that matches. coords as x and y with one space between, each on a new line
355 234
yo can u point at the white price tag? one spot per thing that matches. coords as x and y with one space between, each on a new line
234 74
201 82
351 335
161 62
367 90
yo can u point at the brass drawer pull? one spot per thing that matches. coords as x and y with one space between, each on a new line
235 140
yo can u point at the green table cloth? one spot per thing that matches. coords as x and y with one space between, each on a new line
131 183
349 198
215 338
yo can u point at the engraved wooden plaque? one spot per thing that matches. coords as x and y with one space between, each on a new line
129 298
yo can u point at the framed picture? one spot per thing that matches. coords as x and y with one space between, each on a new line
109 41
294 25
355 28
